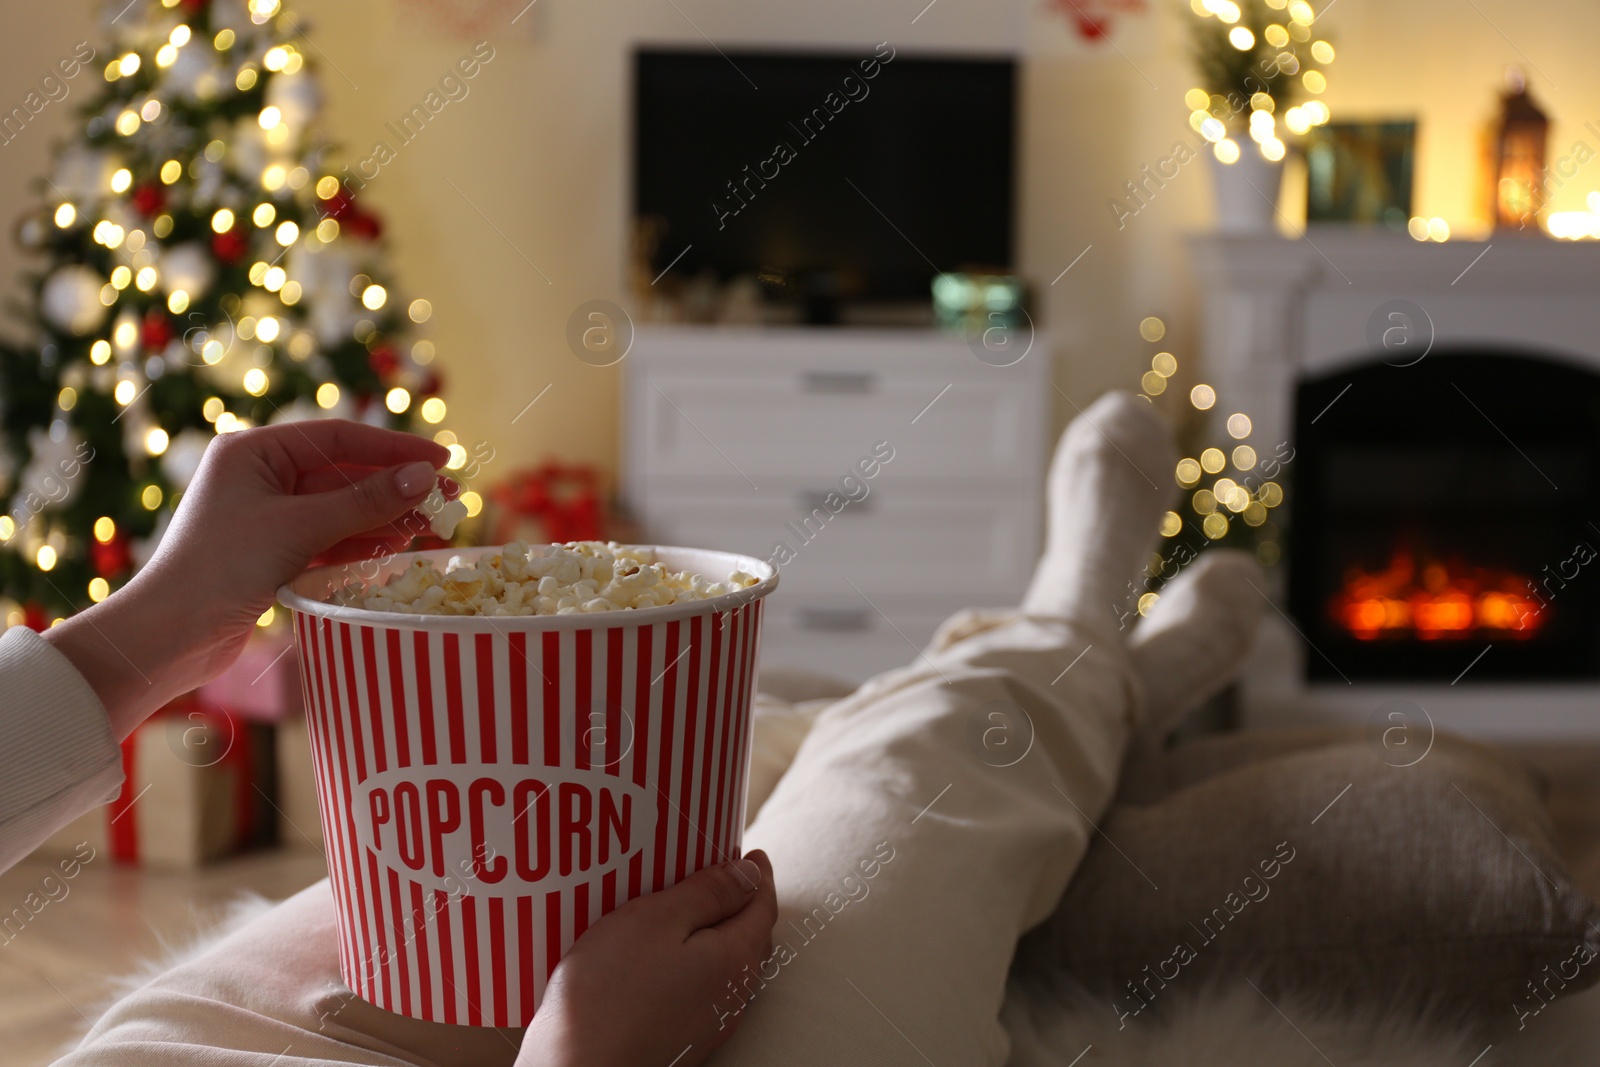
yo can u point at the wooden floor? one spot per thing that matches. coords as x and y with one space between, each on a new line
54 970
53 974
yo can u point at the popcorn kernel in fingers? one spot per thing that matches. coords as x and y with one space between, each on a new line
443 515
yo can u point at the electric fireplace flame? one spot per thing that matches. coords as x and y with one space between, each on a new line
1428 600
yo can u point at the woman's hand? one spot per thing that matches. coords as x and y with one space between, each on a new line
264 503
649 985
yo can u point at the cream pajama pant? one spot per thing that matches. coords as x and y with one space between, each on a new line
924 824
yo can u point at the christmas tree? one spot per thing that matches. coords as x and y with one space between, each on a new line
202 270
1255 60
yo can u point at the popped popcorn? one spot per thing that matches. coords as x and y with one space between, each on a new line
443 515
578 577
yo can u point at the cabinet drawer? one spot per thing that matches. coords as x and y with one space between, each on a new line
727 432
911 549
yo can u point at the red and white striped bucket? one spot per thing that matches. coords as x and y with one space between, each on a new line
491 787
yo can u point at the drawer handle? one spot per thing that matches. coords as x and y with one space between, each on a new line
838 381
835 620
816 500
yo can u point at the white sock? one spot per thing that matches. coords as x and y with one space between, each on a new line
1191 644
1111 478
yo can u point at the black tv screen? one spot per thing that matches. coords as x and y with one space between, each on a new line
872 171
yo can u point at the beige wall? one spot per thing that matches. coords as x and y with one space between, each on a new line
539 147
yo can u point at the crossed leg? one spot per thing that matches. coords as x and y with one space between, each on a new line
931 818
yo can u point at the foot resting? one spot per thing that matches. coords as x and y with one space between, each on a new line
1191 644
1109 482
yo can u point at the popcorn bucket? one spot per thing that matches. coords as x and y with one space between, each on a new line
491 787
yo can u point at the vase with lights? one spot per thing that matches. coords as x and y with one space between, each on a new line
1255 59
1520 142
201 268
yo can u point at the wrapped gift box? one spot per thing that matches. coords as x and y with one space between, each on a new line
263 684
198 786
300 817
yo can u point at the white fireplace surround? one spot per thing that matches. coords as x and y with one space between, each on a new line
1278 309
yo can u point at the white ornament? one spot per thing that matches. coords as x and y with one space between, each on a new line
324 275
183 455
296 96
192 72
322 268
189 267
247 146
207 183
70 300
54 474
120 213
136 421
333 321
83 175
32 229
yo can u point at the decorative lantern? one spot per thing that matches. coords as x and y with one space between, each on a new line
1519 155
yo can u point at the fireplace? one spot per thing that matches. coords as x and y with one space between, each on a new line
1424 494
1442 520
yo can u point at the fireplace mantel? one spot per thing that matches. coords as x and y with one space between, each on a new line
1277 309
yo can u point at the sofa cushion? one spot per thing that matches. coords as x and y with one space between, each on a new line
1309 863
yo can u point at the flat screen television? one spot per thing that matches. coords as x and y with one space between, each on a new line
865 173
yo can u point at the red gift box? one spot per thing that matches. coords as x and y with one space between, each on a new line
197 787
263 685
551 502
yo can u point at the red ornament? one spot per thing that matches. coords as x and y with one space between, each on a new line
431 386
338 205
362 226
34 616
193 7
111 558
1093 18
157 330
148 200
353 222
230 247
384 361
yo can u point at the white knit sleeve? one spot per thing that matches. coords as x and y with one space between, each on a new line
58 758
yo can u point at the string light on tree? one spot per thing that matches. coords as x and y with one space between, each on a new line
1228 484
199 260
1254 58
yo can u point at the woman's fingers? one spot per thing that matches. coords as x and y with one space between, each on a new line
708 896
750 928
323 479
377 502
360 549
314 443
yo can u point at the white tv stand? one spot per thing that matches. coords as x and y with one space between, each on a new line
736 437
